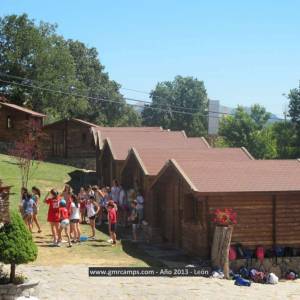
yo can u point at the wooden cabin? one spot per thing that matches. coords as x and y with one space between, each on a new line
118 145
13 118
72 140
142 165
264 193
103 133
80 142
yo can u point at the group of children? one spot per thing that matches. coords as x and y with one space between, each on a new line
67 210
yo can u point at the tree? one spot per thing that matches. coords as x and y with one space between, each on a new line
285 137
106 105
41 57
61 78
249 130
27 149
180 104
16 244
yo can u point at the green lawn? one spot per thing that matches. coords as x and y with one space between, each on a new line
99 252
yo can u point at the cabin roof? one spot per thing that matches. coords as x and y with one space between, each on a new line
242 176
23 109
153 159
121 143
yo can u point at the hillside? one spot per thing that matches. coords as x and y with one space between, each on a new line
46 176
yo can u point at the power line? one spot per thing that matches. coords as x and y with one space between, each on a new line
159 108
93 98
133 90
126 98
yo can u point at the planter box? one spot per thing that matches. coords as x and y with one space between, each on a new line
12 291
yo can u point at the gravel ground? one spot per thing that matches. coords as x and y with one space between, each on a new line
72 282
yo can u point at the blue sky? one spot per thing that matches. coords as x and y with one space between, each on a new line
245 51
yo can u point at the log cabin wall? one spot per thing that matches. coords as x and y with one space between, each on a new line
287 220
167 209
12 123
131 173
262 219
80 140
133 177
106 165
71 140
254 217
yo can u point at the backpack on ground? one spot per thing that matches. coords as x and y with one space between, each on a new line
244 272
242 282
257 276
232 253
291 275
272 279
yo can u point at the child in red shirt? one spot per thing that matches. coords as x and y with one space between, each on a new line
112 221
64 220
53 214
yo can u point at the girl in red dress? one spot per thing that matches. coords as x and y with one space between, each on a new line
53 200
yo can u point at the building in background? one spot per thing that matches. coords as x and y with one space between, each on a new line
216 111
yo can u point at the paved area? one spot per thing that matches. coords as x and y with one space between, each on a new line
72 282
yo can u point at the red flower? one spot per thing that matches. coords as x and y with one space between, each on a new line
224 217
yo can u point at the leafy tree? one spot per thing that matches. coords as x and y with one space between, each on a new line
185 95
103 93
50 63
42 57
265 144
249 130
16 244
284 134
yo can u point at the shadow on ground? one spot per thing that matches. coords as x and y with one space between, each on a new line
135 250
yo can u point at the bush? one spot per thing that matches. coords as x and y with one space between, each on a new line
16 244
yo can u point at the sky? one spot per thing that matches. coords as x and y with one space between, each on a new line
246 52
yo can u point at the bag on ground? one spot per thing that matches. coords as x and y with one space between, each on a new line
257 276
272 278
291 275
244 272
242 282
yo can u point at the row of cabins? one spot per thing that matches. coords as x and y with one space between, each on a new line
184 180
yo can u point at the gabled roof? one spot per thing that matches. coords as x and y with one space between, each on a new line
152 159
245 176
23 109
121 143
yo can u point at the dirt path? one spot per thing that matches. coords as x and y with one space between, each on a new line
72 282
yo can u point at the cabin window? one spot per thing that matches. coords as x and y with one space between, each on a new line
83 138
193 210
9 124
